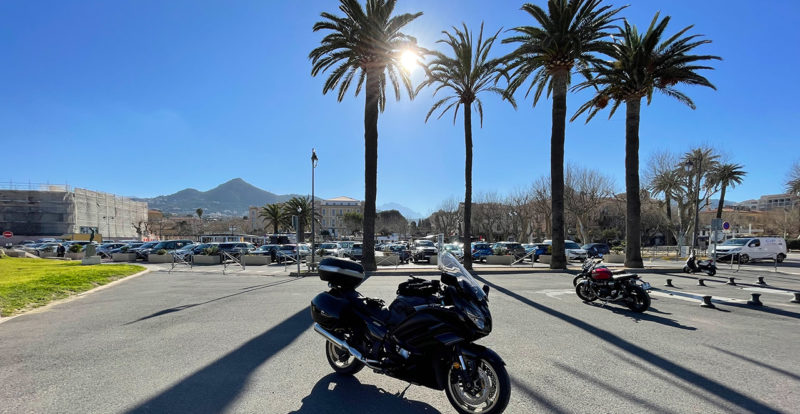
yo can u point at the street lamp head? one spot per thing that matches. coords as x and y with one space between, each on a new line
299 209
314 158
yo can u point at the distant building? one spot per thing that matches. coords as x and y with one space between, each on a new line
332 212
772 202
58 210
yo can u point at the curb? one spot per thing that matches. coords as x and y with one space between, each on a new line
74 297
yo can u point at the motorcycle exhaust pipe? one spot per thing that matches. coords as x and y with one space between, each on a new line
342 344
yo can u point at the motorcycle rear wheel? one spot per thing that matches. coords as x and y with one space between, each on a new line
584 292
686 269
640 300
711 271
341 361
490 392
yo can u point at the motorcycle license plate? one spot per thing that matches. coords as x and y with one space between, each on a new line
645 286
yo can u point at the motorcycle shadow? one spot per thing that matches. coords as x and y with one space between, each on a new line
649 317
336 393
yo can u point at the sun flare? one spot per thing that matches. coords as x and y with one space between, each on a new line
409 60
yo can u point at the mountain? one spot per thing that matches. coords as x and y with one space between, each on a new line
232 198
405 211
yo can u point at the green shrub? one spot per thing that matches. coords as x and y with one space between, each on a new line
210 251
161 252
75 248
793 244
124 249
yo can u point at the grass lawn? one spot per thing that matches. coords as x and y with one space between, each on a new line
28 283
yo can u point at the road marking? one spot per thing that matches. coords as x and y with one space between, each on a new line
555 293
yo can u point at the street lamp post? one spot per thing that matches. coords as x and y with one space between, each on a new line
299 229
314 160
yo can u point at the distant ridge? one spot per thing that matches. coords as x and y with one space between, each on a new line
408 213
232 198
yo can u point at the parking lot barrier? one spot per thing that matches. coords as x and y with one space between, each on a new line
731 281
701 282
706 303
669 283
755 301
761 280
796 298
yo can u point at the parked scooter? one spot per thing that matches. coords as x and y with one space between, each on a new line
426 336
694 266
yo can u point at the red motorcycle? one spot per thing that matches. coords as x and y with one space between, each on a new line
608 287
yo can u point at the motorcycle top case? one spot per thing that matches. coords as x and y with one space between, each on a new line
328 310
341 273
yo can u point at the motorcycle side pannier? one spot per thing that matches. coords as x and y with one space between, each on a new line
328 310
341 273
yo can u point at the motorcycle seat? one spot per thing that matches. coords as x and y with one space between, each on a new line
625 276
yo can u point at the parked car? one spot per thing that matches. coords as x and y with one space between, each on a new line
747 249
399 250
270 250
596 249
423 250
541 249
168 245
456 249
236 249
480 250
572 250
104 250
127 248
328 249
143 250
355 252
344 247
509 248
290 250
46 247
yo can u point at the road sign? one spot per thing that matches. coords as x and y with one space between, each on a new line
8 234
716 224
726 225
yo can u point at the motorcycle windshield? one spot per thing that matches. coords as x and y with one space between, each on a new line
450 265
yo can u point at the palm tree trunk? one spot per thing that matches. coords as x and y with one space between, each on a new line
557 134
467 187
668 201
370 167
721 200
633 222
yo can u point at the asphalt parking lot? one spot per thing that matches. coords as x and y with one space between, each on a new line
197 341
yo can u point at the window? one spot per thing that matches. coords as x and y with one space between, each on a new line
323 220
323 211
340 211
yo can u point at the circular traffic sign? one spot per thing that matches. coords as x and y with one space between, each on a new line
8 234
726 225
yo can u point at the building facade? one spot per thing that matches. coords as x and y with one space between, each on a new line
772 202
58 210
332 212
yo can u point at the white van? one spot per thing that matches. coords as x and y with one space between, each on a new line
753 248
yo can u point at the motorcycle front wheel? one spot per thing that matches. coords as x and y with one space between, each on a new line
711 271
576 280
585 292
686 269
639 300
341 361
488 393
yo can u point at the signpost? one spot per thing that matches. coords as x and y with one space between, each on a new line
726 226
8 234
716 227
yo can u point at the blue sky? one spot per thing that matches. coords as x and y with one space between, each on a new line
144 98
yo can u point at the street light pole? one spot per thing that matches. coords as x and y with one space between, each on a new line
314 160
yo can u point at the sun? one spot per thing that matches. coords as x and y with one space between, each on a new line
409 60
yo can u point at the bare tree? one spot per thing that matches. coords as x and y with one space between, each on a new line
584 191
446 219
541 205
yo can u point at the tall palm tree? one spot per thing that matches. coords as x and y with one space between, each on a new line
199 212
274 214
465 75
669 184
569 36
366 45
727 175
641 64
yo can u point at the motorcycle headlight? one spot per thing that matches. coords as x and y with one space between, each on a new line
476 317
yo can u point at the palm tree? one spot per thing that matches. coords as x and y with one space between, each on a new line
365 45
727 175
667 183
640 65
465 75
569 35
199 212
300 207
274 214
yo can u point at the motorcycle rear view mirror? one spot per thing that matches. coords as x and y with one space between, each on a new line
486 290
449 279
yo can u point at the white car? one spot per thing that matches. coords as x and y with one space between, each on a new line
329 249
746 249
573 250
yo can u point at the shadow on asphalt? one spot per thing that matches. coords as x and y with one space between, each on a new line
722 391
646 316
213 388
336 394
183 307
758 363
549 405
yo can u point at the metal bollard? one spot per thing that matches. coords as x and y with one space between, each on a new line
731 281
796 298
755 301
701 282
669 283
706 303
761 280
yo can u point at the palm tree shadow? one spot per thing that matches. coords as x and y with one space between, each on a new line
336 394
637 317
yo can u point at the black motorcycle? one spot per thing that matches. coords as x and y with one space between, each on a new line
424 337
694 266
608 287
